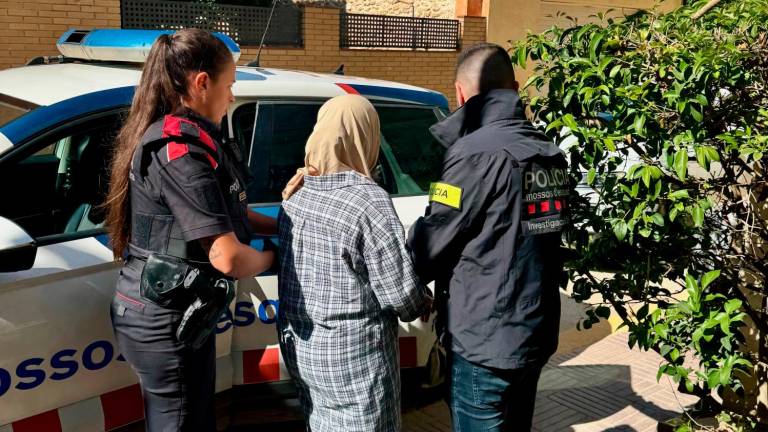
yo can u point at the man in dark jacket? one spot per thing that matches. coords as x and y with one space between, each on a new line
491 241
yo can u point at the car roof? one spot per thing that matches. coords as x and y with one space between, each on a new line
49 84
60 92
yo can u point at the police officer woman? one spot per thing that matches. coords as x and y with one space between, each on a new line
177 212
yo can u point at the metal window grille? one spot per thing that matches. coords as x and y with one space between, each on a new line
383 31
244 24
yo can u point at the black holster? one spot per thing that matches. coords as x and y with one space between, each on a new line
176 283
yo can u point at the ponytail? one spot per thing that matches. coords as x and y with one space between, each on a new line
162 85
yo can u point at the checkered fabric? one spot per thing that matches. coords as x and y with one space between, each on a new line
345 278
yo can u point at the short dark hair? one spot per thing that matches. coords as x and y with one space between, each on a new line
486 64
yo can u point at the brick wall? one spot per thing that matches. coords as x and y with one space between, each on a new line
321 53
32 30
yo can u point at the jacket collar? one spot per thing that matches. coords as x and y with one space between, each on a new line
209 127
480 110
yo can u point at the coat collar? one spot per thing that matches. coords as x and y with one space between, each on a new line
480 110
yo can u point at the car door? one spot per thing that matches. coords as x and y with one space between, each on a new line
58 347
59 361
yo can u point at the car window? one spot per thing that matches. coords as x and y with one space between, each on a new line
277 146
417 156
62 180
409 161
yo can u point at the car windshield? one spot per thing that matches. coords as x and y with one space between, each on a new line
12 108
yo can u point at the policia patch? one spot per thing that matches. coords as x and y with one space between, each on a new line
545 197
445 194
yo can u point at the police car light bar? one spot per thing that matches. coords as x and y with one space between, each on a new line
119 45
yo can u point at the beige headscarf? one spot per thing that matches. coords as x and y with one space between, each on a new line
346 137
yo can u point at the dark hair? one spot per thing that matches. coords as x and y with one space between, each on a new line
486 64
164 80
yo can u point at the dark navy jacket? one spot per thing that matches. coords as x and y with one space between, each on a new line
491 235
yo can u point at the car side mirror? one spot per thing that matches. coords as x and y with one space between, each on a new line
17 248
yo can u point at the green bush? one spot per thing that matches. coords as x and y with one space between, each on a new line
689 99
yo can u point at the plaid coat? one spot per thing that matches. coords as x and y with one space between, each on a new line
345 278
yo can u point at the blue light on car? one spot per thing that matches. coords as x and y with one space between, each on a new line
119 44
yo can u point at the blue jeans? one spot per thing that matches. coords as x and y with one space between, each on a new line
491 400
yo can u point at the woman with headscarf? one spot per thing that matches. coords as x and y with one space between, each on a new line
345 278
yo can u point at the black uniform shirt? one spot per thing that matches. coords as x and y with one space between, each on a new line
185 186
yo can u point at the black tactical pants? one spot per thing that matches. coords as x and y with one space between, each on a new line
177 383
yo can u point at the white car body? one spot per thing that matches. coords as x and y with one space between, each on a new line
59 365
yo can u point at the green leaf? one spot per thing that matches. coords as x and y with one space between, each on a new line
672 214
614 70
639 124
681 163
713 379
657 189
620 229
725 374
678 194
732 305
568 96
698 215
594 44
658 219
591 176
522 55
702 157
696 114
689 385
708 278
609 144
646 175
603 312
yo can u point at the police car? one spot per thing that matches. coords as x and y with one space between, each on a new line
59 364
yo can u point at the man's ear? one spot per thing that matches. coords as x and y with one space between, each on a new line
461 98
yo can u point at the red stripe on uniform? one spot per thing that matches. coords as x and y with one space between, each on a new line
348 88
171 126
45 422
176 150
122 407
408 351
261 365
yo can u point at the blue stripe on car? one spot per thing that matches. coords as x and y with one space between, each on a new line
417 96
45 117
249 76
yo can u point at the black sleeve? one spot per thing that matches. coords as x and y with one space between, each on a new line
437 239
192 193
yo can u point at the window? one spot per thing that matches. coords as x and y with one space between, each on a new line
60 180
409 160
418 157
